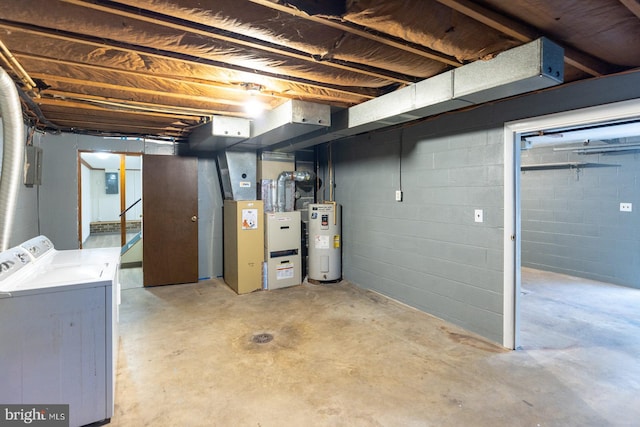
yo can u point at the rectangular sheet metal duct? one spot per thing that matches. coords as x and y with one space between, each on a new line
535 65
220 133
526 68
290 120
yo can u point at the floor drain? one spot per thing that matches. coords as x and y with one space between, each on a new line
262 338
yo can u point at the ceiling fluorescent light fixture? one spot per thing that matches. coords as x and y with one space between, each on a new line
600 133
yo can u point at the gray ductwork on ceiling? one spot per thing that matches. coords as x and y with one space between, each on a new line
290 120
297 124
219 133
533 66
12 154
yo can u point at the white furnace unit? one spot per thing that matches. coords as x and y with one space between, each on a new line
325 252
282 249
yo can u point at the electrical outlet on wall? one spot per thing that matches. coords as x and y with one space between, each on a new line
626 207
478 215
398 195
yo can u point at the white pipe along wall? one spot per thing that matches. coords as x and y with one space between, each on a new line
12 155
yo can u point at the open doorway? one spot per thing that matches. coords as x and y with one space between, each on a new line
110 192
566 212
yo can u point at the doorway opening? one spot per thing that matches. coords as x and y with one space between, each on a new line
110 193
567 200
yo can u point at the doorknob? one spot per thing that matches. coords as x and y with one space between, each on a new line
194 218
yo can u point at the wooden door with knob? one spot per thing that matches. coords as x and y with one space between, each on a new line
170 221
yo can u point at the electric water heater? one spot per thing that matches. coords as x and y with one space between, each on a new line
325 247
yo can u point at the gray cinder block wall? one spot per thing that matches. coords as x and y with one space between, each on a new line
427 251
571 218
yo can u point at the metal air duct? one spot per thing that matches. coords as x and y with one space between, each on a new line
238 174
535 65
219 133
12 154
298 176
288 121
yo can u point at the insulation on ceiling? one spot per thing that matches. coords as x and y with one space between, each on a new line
166 65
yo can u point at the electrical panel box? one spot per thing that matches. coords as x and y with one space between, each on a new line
32 166
243 245
282 249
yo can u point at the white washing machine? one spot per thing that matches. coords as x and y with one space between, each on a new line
58 328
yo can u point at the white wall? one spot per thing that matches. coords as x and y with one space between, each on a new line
134 192
106 207
87 208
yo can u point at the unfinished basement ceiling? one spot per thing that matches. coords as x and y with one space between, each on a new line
159 68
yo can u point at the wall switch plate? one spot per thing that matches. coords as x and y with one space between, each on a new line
626 207
478 215
398 195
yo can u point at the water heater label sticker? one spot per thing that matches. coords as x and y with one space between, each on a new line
322 242
245 184
284 271
249 219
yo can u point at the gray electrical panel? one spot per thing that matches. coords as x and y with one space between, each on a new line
32 166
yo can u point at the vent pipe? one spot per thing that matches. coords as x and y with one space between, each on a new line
12 155
299 176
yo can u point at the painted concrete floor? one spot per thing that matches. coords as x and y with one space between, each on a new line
343 356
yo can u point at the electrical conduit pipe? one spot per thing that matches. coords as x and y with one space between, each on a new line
300 176
12 155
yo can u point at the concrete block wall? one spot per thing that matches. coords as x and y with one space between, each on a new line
571 219
427 250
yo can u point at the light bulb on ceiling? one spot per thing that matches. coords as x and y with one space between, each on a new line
253 107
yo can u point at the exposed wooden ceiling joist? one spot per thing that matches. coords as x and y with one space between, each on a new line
136 105
109 125
88 106
92 83
157 53
172 79
365 33
161 67
238 39
231 89
521 32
